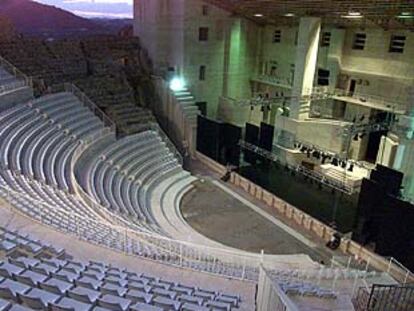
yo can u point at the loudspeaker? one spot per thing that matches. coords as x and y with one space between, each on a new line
229 144
208 137
266 136
251 136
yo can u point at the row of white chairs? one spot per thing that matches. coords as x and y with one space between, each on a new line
36 178
40 280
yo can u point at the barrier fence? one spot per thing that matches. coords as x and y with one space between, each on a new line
152 126
22 79
111 230
87 102
270 297
392 104
315 227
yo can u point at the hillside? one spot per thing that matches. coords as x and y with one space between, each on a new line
86 8
31 17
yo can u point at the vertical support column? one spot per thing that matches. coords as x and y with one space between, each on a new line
404 158
305 65
335 56
239 58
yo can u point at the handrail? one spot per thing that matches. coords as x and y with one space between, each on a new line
323 179
390 103
155 127
12 86
185 251
69 87
23 80
12 69
267 285
284 82
409 276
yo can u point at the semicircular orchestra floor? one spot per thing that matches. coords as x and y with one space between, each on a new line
223 217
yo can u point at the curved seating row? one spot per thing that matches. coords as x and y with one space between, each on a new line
36 149
121 176
36 143
35 277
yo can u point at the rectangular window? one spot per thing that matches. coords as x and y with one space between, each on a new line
204 10
277 36
203 34
202 73
296 37
323 77
359 41
326 39
397 44
292 74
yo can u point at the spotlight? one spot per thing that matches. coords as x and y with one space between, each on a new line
352 14
177 84
258 15
406 15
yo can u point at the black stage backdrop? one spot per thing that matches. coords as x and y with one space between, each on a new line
230 144
385 219
208 134
251 136
266 136
218 140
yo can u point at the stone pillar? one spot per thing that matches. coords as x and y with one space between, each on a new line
239 58
335 55
305 65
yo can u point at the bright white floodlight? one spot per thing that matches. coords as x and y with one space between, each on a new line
177 84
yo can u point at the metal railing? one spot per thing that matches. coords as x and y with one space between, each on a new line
155 127
233 264
270 296
167 247
22 79
392 104
87 102
382 297
395 267
323 179
275 80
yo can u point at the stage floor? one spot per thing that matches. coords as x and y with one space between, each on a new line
227 218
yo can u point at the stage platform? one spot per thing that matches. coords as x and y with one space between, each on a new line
217 211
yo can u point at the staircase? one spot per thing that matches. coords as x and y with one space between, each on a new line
187 103
186 113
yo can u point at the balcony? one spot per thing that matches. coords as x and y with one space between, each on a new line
275 81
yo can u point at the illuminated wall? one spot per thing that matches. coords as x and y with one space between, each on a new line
169 30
